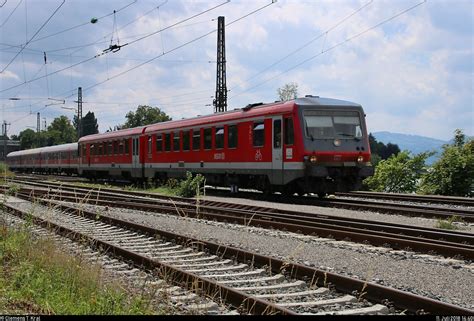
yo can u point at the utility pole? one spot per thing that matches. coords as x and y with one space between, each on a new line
220 101
4 134
38 123
79 113
44 118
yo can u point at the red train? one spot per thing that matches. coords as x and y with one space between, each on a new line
309 144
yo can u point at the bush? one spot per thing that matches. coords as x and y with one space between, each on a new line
191 186
453 173
399 173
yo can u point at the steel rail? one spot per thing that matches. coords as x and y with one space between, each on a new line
374 292
289 223
180 277
403 209
438 199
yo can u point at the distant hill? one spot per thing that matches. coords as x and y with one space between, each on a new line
414 143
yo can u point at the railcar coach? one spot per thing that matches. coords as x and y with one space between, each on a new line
306 145
52 159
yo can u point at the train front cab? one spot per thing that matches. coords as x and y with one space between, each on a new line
336 147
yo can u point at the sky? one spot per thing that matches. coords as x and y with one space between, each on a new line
409 63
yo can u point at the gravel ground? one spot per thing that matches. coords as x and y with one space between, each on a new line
365 215
438 278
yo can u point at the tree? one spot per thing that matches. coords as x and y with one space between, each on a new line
399 173
27 139
453 172
288 92
61 131
382 150
89 124
145 115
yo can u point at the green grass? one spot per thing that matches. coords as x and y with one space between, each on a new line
448 224
5 172
38 278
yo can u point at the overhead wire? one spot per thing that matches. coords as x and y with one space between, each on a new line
330 49
93 57
175 48
11 13
26 44
306 44
84 23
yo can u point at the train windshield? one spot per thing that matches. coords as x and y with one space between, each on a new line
327 124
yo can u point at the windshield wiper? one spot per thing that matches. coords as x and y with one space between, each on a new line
349 135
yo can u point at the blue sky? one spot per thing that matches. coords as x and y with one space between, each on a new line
412 74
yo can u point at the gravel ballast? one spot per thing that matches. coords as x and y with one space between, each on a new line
432 276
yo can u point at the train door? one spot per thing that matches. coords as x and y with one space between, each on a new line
277 151
136 167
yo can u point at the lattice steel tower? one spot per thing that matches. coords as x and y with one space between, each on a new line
220 101
79 113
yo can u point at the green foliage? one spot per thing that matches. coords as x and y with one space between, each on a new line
288 92
399 173
89 125
449 224
171 183
453 172
381 150
37 278
27 139
61 131
145 115
191 186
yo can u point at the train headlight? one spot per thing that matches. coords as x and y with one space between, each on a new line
360 159
313 159
337 142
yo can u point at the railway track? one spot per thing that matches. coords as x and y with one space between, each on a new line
397 236
414 210
438 199
163 296
248 281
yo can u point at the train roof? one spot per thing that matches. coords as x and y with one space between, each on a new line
113 135
250 111
47 149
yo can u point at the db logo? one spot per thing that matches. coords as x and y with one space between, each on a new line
258 155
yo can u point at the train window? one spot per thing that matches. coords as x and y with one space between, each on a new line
127 146
337 124
258 134
121 147
277 133
232 136
167 142
186 140
110 149
220 137
101 152
176 142
196 139
92 149
348 126
159 142
208 138
150 144
289 132
116 147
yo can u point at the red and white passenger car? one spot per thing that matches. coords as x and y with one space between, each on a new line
309 144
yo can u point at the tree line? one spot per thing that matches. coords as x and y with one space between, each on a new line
63 131
451 174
